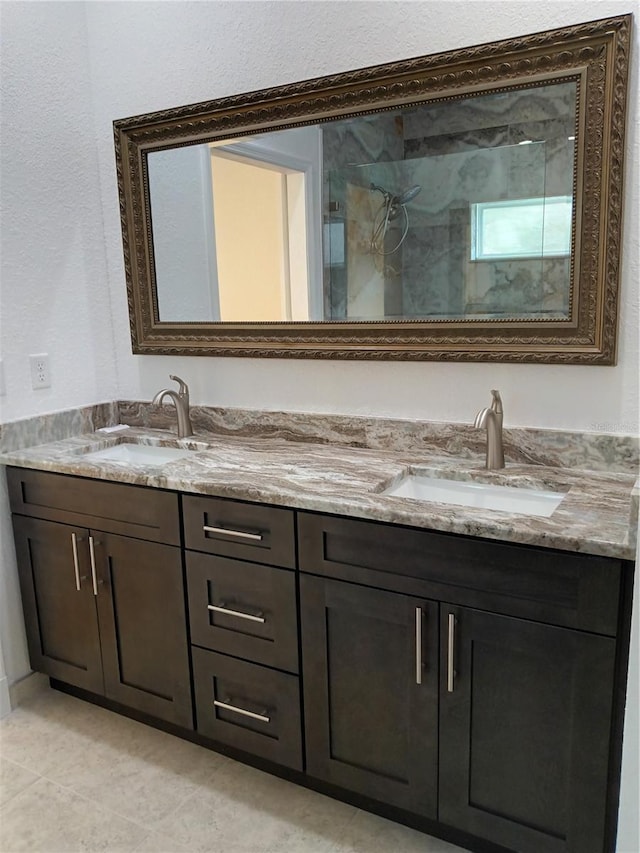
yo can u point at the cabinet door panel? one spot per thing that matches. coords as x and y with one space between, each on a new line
261 622
525 733
248 706
118 508
572 590
61 621
370 726
143 626
253 532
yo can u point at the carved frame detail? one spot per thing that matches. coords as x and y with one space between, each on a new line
594 54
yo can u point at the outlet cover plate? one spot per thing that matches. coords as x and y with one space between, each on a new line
40 371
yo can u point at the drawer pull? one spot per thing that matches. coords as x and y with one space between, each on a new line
94 577
76 567
256 537
220 609
418 645
262 717
451 636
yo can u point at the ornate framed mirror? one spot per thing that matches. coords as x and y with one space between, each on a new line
463 206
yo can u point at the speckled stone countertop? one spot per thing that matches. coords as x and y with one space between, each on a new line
598 515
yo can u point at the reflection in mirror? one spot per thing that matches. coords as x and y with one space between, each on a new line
236 229
455 210
463 212
462 206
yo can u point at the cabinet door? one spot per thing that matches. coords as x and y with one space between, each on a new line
524 724
370 666
141 608
248 706
243 609
58 601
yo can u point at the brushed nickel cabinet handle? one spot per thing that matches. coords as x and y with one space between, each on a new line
257 537
418 645
262 717
94 576
451 638
76 567
220 609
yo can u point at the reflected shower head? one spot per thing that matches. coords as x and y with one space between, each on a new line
391 208
396 200
407 195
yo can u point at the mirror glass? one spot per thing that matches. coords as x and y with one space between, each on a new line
461 210
460 206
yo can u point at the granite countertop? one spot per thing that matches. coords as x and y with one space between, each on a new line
599 514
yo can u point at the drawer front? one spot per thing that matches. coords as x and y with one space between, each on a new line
243 609
261 534
249 707
136 511
558 587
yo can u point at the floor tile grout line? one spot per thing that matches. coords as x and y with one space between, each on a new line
18 764
71 789
17 793
88 800
148 828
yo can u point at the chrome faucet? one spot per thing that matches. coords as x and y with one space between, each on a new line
181 400
491 419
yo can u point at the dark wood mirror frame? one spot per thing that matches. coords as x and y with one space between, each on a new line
595 55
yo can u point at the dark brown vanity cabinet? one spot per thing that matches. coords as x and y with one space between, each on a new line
104 611
59 605
371 692
244 626
434 680
525 718
470 687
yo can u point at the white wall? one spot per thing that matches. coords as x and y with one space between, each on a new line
186 52
54 291
54 294
144 56
182 224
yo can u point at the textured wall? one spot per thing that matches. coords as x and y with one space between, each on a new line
186 52
54 295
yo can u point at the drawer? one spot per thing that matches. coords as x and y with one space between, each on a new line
136 511
255 616
557 587
254 532
248 706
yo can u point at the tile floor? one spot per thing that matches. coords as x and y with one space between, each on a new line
74 777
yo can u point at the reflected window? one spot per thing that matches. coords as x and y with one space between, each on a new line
521 228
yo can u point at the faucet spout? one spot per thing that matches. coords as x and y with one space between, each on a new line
181 401
490 419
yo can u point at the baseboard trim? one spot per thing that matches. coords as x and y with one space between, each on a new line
5 700
27 687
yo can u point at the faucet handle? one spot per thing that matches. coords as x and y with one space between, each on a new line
184 388
496 404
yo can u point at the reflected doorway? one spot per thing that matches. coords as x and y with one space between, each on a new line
260 227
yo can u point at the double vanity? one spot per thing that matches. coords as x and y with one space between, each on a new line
327 612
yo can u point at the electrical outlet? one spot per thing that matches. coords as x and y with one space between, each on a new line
40 373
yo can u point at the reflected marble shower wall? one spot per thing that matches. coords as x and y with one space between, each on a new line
512 145
355 288
374 268
517 145
440 276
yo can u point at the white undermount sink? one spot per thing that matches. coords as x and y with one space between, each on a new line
139 454
523 501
